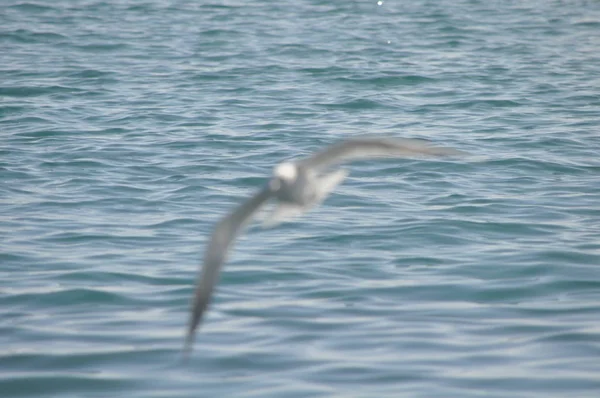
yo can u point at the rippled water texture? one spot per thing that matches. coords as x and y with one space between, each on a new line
129 127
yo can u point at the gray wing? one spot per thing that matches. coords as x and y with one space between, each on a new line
364 148
216 252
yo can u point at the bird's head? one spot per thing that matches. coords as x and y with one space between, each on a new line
284 173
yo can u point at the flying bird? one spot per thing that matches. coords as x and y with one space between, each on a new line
296 187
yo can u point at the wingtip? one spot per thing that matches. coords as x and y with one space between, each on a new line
427 147
188 344
451 152
188 347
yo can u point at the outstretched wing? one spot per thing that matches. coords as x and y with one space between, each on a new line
364 148
214 257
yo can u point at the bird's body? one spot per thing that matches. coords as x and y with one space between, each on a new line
297 183
296 187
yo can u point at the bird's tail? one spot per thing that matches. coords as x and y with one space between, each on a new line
328 182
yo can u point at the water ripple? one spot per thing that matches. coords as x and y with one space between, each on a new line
130 128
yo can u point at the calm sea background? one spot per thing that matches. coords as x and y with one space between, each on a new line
127 128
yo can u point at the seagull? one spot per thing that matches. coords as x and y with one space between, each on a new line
296 187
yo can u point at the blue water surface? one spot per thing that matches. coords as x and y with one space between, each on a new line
128 128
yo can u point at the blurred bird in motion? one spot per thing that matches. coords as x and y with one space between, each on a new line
296 187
